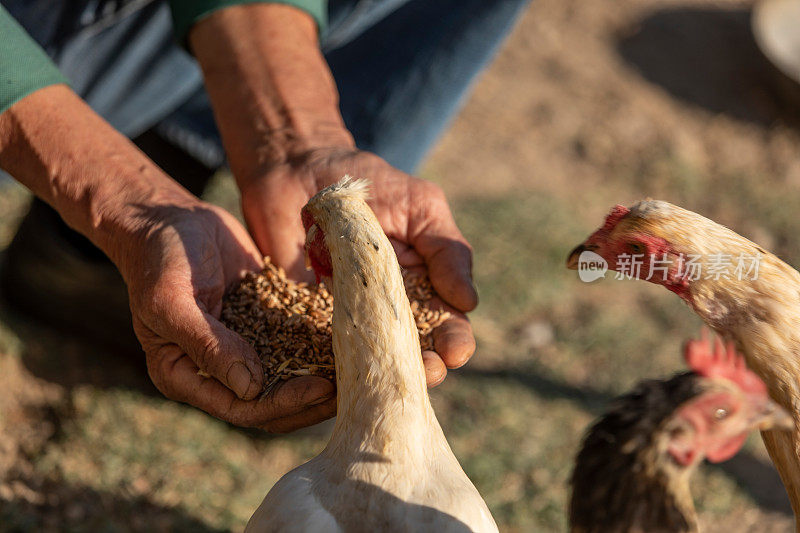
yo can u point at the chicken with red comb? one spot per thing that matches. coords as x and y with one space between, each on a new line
754 302
632 472
721 361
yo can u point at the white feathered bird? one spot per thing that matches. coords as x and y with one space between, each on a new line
388 466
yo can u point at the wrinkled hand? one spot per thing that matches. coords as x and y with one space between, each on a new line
178 262
414 214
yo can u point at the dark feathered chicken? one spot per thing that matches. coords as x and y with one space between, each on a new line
632 473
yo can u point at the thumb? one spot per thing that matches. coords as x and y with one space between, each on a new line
215 349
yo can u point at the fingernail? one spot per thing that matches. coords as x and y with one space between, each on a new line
239 379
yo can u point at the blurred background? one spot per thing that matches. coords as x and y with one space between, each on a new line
590 103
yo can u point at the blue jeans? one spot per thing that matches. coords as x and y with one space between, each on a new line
403 67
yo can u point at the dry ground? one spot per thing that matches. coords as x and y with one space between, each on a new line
590 103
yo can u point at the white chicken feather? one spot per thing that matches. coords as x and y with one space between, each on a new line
387 466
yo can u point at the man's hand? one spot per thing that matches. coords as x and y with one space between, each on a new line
176 254
413 213
179 264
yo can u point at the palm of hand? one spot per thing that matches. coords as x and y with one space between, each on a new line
176 287
413 213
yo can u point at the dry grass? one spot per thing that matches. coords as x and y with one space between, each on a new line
289 323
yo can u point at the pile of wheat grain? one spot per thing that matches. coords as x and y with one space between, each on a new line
289 323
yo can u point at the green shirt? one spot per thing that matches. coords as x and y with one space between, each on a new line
25 67
187 12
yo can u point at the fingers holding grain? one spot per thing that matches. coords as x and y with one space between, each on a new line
308 400
443 329
295 404
289 324
298 394
453 339
213 348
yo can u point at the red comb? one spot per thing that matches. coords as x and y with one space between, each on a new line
716 359
617 213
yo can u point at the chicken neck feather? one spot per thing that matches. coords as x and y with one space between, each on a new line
382 395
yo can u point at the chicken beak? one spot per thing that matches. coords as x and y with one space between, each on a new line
574 257
773 416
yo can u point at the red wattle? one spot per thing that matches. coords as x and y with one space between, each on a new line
319 256
308 219
317 251
727 450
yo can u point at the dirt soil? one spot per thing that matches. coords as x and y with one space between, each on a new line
589 104
585 92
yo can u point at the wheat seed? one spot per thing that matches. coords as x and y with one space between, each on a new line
289 323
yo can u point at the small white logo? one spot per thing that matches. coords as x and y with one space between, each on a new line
591 266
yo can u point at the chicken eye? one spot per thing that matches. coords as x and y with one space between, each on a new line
636 247
721 413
